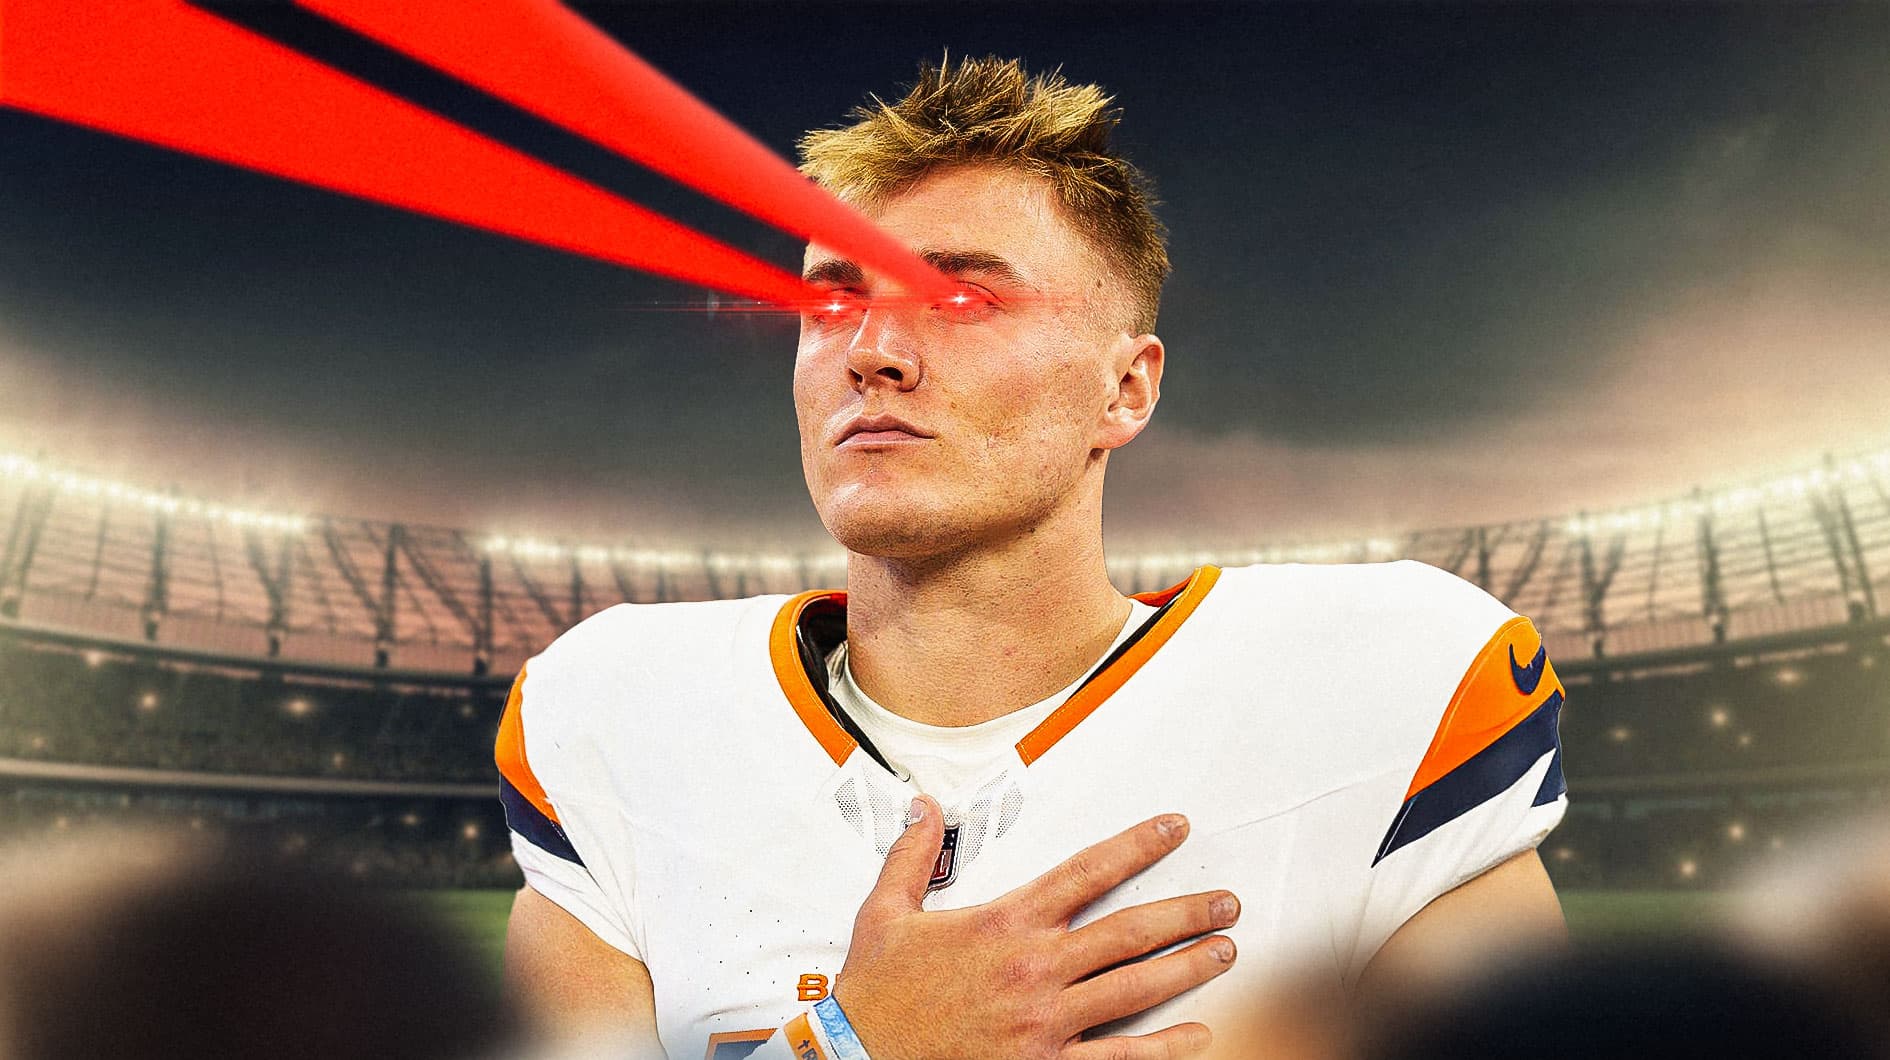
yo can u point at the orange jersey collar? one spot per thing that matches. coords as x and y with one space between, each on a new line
1180 601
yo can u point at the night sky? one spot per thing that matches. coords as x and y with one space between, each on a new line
1433 265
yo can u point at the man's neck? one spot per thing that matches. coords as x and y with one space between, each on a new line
963 640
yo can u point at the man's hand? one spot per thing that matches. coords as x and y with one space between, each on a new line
1008 978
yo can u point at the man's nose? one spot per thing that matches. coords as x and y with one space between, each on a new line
883 353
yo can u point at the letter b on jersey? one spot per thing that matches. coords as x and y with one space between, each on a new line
812 987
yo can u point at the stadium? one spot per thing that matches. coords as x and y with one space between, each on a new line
356 352
332 686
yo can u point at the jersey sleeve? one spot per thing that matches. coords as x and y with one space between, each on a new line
1488 786
542 842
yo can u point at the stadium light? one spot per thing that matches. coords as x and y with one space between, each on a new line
15 466
1625 519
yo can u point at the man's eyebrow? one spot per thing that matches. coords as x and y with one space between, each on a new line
957 262
840 272
836 271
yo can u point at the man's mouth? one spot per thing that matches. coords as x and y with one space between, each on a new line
882 428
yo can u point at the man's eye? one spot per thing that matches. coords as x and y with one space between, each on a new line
836 307
968 301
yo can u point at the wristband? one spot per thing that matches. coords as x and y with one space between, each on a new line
819 1033
842 1042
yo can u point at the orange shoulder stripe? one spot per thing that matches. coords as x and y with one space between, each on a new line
785 655
1081 705
1490 700
509 752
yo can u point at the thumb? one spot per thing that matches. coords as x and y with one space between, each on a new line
908 868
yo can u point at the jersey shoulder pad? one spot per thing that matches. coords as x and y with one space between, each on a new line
1500 723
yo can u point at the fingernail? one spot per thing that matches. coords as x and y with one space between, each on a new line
1226 910
1221 950
915 812
1171 825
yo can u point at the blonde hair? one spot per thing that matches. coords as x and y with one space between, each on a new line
991 111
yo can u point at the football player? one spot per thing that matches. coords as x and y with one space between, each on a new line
979 802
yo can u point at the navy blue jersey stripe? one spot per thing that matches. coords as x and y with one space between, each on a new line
1485 775
1553 783
525 819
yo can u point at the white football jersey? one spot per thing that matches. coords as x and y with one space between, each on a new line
1348 742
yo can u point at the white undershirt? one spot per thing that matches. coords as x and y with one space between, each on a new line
944 759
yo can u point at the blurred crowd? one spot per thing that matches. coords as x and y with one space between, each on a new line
138 943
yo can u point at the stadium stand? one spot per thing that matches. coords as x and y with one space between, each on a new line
336 683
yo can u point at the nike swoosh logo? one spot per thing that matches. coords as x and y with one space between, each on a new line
1528 677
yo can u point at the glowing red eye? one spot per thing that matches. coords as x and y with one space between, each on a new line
837 306
966 301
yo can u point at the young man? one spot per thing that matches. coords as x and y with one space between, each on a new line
710 800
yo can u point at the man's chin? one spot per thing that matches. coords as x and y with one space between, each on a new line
911 534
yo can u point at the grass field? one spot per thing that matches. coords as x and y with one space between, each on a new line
1593 916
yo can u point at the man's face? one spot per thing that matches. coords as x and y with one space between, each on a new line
1008 383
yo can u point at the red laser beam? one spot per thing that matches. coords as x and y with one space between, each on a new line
545 59
166 73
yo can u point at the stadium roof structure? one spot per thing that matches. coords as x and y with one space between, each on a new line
1801 551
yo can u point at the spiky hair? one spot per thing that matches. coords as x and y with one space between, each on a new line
991 111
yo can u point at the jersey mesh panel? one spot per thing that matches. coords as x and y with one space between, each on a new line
989 813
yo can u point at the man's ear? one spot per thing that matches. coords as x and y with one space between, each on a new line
1137 363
